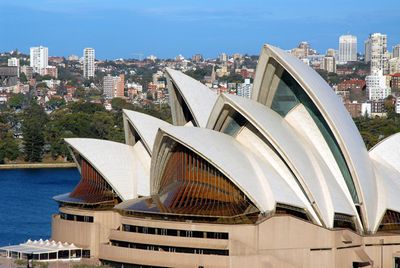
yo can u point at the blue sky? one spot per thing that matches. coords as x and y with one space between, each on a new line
166 28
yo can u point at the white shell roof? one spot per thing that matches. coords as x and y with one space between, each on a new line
338 119
113 160
388 180
199 98
388 150
255 177
318 181
386 159
146 126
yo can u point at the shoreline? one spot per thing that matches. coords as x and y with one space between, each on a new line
37 165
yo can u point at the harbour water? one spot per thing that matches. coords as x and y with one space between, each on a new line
26 203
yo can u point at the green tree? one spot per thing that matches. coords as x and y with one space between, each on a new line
16 101
33 125
23 78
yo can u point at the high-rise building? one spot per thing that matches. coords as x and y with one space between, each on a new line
108 86
347 48
120 85
88 62
15 63
245 89
113 86
223 57
329 64
197 58
396 51
375 49
39 59
376 86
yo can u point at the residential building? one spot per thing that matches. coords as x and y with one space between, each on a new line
244 89
354 109
14 62
347 48
396 51
223 57
39 59
375 49
329 64
88 62
114 86
355 89
197 58
394 65
377 87
51 71
28 71
378 108
108 86
120 86
303 50
8 76
395 82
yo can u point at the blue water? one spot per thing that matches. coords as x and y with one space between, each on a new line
26 203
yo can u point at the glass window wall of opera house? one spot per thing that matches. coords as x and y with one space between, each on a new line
281 179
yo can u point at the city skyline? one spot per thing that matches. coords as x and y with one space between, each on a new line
123 29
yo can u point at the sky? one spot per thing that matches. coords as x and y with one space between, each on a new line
166 28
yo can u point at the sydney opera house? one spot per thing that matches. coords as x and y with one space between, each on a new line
279 180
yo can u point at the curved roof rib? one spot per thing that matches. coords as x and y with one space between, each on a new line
274 60
198 98
114 161
254 177
144 125
328 194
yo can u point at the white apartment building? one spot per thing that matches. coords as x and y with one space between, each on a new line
375 49
14 62
329 64
245 89
377 87
88 62
347 48
394 65
39 59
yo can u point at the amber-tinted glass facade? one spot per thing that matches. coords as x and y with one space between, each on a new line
190 185
390 221
91 189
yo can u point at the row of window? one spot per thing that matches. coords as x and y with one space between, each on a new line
205 251
128 265
72 217
174 232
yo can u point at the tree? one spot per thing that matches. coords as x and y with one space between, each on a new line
9 149
23 78
118 104
16 101
34 120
